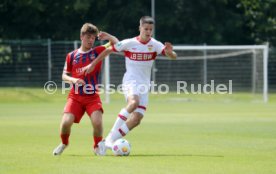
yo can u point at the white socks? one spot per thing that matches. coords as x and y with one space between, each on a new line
122 117
115 135
119 128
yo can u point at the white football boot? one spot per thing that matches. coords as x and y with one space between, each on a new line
59 149
108 143
102 148
97 151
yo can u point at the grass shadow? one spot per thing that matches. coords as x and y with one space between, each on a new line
152 155
176 155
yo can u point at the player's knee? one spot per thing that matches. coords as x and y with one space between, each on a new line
67 124
134 103
67 120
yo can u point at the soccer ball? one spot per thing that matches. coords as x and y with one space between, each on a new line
121 147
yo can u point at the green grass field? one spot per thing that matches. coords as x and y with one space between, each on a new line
179 134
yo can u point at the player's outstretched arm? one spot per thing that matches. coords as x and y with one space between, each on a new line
102 36
169 50
106 36
89 68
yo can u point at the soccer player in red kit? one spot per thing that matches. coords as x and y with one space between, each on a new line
83 96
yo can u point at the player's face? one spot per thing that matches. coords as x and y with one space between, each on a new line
87 41
146 31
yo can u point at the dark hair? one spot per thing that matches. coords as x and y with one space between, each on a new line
89 28
146 20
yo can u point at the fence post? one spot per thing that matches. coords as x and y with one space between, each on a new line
49 60
265 67
205 65
254 71
107 79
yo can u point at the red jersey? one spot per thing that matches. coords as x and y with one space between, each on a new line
74 64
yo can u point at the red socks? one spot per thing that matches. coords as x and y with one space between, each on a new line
65 138
97 140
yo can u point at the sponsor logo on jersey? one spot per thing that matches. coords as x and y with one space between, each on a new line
141 56
79 70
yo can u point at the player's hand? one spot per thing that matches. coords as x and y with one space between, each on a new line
106 36
78 81
103 35
88 69
169 50
168 47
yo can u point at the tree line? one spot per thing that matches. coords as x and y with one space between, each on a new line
178 21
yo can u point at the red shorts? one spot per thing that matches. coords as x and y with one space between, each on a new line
77 105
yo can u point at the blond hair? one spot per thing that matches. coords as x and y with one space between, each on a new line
89 28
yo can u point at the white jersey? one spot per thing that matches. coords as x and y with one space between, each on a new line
139 58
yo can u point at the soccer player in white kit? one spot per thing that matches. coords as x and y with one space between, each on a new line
140 52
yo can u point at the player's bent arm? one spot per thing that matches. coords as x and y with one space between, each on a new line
106 36
100 57
103 55
67 78
171 54
113 40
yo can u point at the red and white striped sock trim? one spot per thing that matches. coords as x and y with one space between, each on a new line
142 107
122 117
122 132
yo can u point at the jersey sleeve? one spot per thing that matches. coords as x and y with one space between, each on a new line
99 49
68 63
121 46
160 48
108 44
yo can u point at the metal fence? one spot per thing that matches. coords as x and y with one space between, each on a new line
31 63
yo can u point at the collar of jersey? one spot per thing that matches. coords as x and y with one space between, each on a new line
138 39
83 52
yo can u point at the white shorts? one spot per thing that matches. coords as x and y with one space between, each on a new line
133 88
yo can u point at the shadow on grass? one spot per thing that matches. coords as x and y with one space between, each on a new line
175 155
154 155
